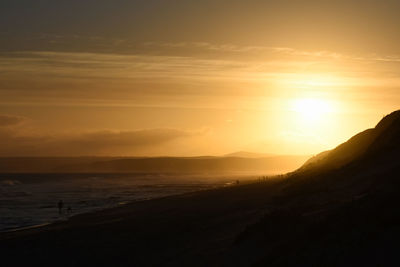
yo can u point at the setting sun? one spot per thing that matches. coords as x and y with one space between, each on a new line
310 110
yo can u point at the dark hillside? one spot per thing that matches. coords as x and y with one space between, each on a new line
345 216
384 138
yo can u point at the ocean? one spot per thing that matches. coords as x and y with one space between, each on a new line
28 200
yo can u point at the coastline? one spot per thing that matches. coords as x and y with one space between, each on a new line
31 204
101 210
214 217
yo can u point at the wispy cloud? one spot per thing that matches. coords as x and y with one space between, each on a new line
188 69
246 49
93 65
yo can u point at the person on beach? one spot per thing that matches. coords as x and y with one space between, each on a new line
60 206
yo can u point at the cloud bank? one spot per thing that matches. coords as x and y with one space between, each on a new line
9 120
105 142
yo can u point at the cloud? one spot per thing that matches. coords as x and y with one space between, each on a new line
231 48
79 76
132 139
83 67
105 142
185 75
9 120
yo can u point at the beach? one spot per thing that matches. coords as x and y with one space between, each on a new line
30 199
172 230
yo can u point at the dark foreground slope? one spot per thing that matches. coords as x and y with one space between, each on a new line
341 215
340 209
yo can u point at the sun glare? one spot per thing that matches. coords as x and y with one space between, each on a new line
311 110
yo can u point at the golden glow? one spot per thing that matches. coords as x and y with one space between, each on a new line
311 110
285 106
316 80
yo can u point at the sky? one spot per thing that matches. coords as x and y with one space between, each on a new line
189 78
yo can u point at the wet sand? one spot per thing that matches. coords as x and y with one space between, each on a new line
193 229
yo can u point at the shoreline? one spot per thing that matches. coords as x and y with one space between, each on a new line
27 227
100 209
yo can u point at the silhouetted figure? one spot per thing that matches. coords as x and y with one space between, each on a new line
60 206
69 210
237 182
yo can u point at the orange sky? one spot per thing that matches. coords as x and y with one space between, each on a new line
211 77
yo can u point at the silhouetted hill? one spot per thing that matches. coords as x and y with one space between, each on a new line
42 164
267 165
277 164
384 138
339 209
246 154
